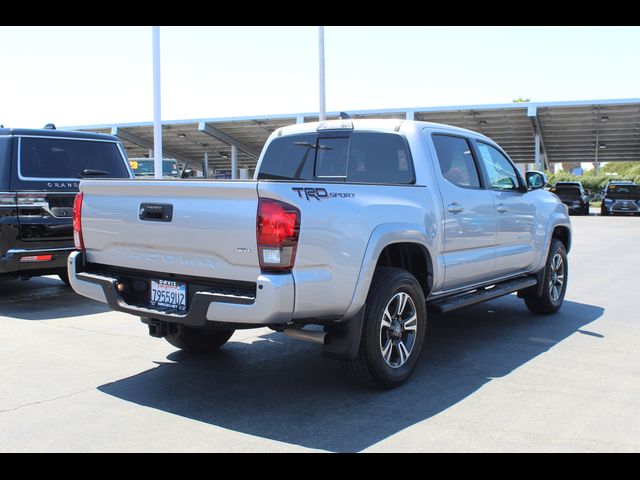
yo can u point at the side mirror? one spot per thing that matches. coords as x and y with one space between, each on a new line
535 180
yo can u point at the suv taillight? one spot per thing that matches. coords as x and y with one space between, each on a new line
78 241
7 199
277 231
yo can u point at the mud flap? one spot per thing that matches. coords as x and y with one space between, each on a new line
344 341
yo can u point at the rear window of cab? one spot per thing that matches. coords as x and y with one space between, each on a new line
358 157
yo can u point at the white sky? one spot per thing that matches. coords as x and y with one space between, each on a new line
96 75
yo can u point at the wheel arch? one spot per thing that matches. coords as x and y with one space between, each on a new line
395 245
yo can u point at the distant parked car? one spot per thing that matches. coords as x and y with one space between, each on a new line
573 195
621 197
144 167
39 175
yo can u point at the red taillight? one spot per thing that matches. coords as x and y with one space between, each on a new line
277 230
77 222
36 258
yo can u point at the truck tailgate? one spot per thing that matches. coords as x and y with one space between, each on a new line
211 232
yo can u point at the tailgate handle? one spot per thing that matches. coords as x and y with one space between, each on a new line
156 212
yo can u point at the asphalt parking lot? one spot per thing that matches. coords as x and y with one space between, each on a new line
75 376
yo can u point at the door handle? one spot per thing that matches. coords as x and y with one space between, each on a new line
455 208
155 212
501 208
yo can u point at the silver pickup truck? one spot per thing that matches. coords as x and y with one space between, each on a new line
349 233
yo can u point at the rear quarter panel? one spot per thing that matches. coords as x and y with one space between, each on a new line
335 233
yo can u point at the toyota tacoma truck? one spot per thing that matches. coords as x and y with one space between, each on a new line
349 234
40 170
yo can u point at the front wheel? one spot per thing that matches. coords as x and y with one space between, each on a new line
554 282
393 331
202 340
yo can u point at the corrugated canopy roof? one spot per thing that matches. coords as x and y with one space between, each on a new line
569 131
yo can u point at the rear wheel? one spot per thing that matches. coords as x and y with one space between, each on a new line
554 282
65 278
393 330
192 339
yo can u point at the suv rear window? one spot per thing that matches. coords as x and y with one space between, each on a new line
621 188
59 158
364 157
566 189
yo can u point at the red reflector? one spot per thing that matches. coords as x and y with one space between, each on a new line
36 258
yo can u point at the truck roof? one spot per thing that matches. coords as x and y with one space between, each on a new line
376 124
50 132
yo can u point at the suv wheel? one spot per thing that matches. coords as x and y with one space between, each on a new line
192 339
65 278
554 282
393 331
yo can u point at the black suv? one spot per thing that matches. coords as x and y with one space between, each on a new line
621 197
39 175
573 196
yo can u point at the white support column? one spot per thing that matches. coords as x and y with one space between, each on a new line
234 162
409 115
206 165
300 119
596 165
323 108
537 152
157 117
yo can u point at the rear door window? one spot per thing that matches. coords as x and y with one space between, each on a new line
60 158
456 161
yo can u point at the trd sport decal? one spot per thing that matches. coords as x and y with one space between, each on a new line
320 193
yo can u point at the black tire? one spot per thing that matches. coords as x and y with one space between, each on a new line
201 340
371 367
603 212
65 278
547 302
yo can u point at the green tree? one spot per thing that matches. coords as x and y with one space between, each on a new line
521 100
627 170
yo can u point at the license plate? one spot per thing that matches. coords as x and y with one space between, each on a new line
167 293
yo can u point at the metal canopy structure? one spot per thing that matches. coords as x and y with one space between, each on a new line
578 131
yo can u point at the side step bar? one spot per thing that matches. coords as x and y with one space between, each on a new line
461 300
